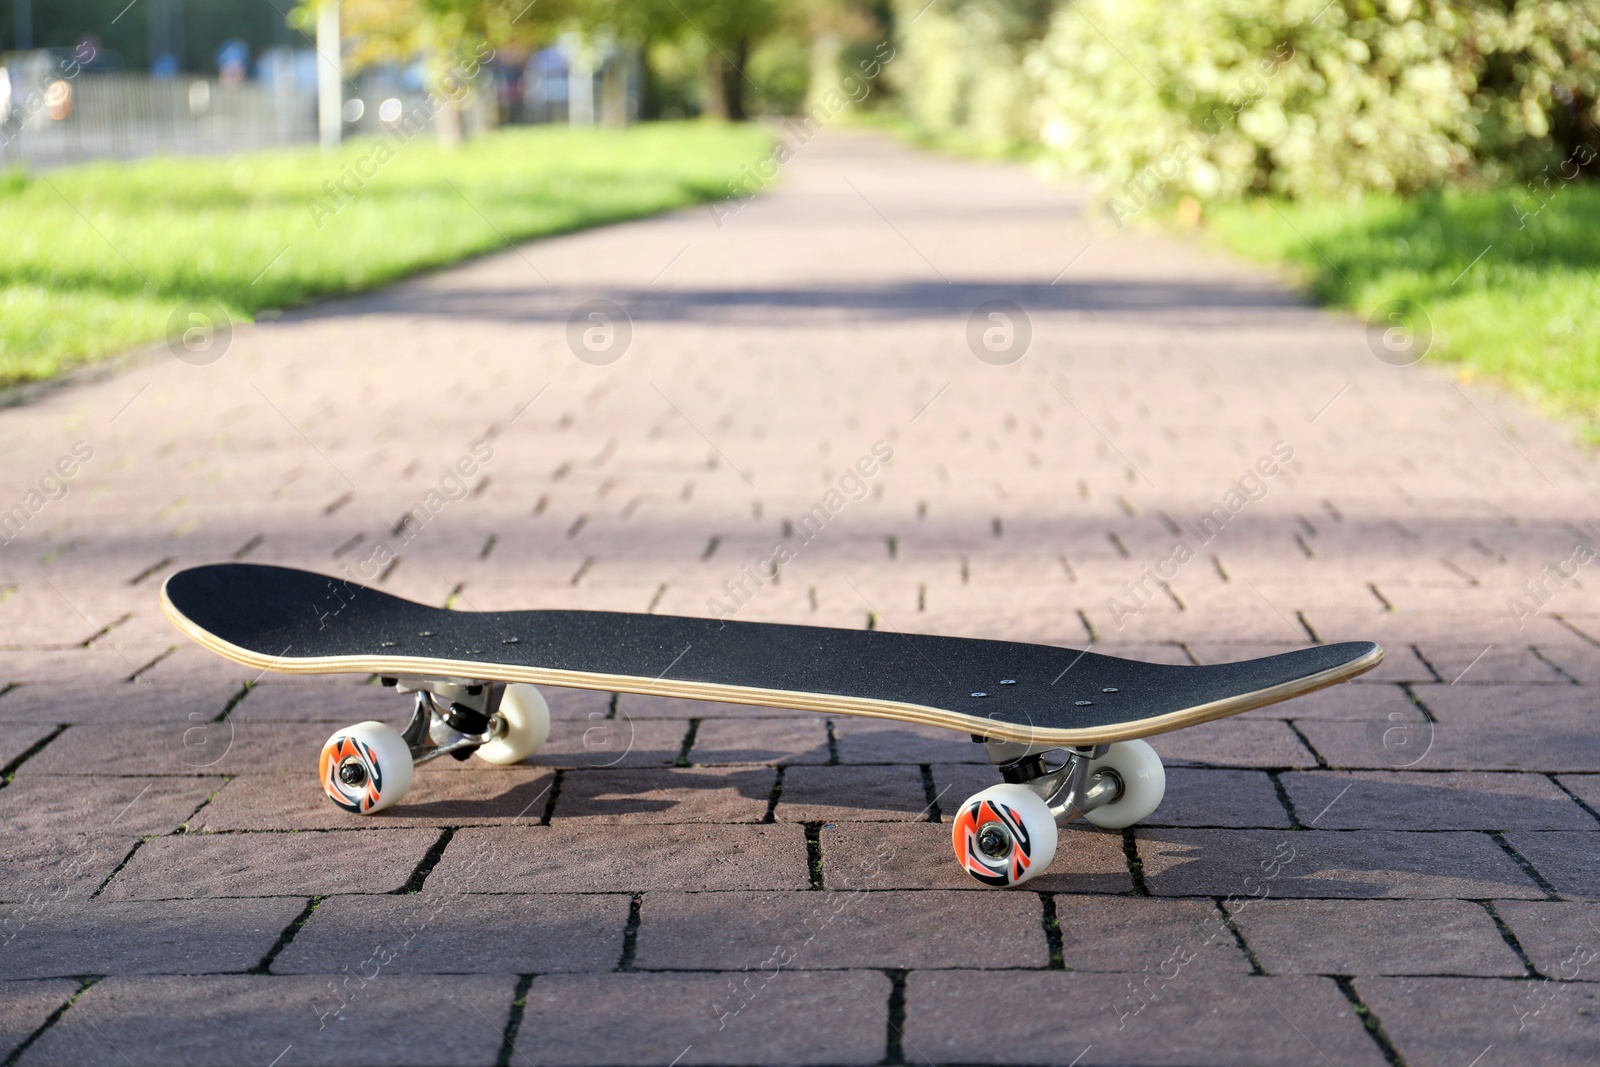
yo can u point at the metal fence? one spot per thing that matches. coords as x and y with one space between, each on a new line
55 119
54 112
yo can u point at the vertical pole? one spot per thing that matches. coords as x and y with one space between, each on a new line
330 77
24 21
580 84
175 13
155 31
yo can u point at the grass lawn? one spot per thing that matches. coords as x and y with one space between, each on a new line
1509 280
95 258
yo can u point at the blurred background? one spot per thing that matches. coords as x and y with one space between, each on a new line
1427 164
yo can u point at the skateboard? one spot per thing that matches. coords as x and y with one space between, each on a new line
1064 727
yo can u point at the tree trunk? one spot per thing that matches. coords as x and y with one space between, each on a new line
733 81
713 87
649 103
614 90
448 123
826 50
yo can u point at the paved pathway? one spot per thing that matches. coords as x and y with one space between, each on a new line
1395 870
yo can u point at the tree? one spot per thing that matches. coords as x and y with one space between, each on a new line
454 34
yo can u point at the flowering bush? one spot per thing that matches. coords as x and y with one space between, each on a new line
1304 98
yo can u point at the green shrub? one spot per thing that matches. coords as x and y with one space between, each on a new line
780 68
1306 98
959 68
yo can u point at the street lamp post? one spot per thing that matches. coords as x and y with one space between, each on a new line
330 77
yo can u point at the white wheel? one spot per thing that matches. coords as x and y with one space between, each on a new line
527 723
1004 835
365 768
1144 782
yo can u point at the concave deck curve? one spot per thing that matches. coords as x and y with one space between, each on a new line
299 622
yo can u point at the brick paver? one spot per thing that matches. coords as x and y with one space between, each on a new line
1329 863
449 933
148 937
1374 937
1559 936
239 865
832 794
1394 870
745 1017
25 1006
495 796
298 1019
1446 1021
1115 1019
1133 933
707 931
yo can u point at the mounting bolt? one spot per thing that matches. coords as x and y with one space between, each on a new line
351 772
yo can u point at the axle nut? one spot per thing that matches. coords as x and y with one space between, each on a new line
994 840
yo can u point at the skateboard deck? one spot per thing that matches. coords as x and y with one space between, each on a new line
298 622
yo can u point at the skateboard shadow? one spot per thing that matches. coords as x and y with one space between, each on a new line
1399 801
524 802
744 792
1397 840
689 794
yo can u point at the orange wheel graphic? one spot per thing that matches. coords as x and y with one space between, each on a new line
1004 835
365 768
